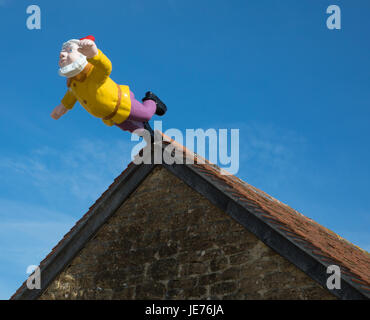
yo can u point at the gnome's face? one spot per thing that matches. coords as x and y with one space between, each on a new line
71 61
68 55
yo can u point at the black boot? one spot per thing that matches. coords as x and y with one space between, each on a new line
161 107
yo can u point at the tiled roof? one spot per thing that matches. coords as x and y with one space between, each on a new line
301 240
323 243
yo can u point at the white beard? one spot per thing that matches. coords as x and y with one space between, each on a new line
73 68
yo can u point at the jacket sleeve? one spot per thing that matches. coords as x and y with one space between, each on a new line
103 66
69 100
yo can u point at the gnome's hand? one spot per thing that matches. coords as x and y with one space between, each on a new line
88 48
58 112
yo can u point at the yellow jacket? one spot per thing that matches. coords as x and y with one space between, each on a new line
97 92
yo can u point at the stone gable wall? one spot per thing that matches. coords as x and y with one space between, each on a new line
168 242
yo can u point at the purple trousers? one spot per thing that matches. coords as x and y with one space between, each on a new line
140 112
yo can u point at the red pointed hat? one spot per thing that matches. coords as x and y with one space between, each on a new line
90 37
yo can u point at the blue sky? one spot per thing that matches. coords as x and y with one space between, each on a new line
298 92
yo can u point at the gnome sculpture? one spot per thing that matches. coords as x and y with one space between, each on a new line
87 71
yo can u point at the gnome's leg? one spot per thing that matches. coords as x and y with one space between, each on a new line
130 125
138 127
141 111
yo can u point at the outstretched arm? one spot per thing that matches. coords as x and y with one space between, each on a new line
68 102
